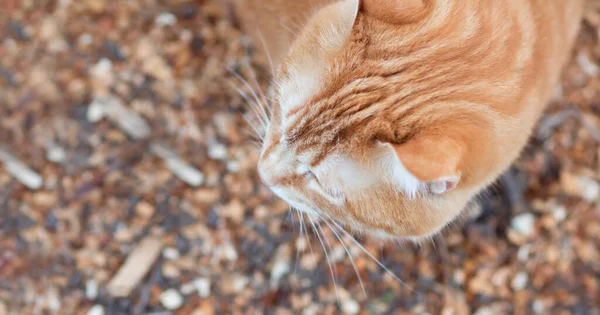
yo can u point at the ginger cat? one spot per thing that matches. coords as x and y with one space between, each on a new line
389 116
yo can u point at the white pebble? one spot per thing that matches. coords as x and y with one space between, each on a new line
166 19
217 151
350 306
171 299
519 281
91 289
523 253
559 214
20 171
240 283
85 39
96 310
186 172
280 269
202 285
171 253
486 311
56 154
538 306
102 70
524 223
587 65
95 111
590 189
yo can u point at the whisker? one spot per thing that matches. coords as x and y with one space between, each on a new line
264 107
298 247
266 48
349 256
370 255
252 105
252 91
326 255
256 131
308 239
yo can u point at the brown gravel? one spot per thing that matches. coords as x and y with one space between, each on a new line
119 126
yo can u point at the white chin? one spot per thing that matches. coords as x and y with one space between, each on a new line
293 200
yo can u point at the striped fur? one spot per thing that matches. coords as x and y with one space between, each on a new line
392 123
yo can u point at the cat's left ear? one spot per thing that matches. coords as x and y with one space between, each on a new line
427 162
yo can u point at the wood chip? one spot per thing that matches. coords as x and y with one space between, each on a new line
135 268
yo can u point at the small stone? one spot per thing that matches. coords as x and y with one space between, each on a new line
217 151
524 224
587 65
91 289
96 310
171 299
350 306
486 311
166 19
280 269
559 214
519 282
171 271
202 286
171 253
144 209
85 39
538 306
56 154
583 187
95 111
102 71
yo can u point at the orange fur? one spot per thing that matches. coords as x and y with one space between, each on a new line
454 87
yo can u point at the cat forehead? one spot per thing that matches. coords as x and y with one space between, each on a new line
298 87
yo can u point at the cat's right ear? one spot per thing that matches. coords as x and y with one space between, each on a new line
394 11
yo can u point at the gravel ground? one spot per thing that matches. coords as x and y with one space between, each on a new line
128 185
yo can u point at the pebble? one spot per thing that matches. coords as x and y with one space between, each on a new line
486 311
524 223
587 65
85 39
559 213
56 154
95 111
171 299
171 253
202 286
350 306
217 151
96 310
91 289
519 282
103 72
166 19
280 269
21 172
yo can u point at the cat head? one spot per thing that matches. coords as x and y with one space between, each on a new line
350 137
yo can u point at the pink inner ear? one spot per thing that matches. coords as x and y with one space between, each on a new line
432 159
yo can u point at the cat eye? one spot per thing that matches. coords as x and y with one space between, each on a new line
309 175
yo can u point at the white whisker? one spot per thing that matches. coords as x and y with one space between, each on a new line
349 256
252 91
326 255
300 235
368 253
252 106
